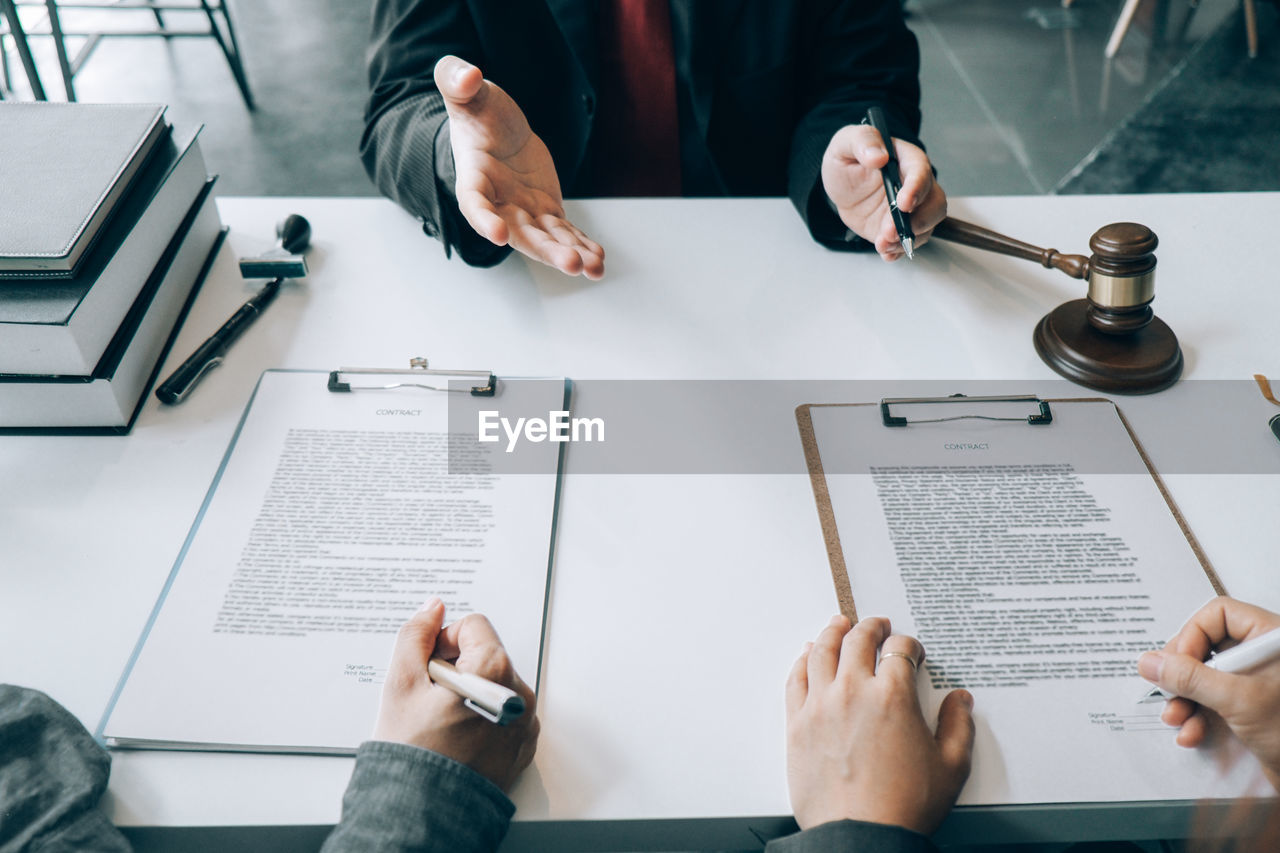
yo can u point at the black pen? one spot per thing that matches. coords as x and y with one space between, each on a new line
209 355
893 182
293 237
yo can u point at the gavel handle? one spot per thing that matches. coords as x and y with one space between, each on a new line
959 231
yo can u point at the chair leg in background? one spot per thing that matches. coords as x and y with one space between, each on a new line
1122 27
60 47
230 47
159 20
24 50
7 85
1251 27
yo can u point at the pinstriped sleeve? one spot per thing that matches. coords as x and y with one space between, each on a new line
405 146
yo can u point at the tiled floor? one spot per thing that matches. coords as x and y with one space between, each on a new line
1016 92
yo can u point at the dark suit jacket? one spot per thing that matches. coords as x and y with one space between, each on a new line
761 87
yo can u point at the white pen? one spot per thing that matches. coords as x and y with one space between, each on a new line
1249 654
495 703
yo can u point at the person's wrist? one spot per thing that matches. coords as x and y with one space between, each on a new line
825 221
849 236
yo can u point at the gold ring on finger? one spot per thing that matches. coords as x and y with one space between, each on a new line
915 665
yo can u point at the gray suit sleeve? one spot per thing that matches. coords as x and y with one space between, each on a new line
402 799
853 836
405 147
52 777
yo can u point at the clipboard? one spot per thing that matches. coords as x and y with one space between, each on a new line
895 414
270 575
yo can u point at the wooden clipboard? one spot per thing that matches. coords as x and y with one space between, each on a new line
827 518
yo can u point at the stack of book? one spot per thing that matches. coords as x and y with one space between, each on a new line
107 228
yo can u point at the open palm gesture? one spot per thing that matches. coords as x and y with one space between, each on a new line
507 187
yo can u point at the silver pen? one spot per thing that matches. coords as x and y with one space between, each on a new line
491 700
1253 653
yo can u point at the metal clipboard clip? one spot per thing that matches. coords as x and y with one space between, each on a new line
340 381
1045 416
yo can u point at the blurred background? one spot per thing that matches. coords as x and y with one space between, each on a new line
1019 95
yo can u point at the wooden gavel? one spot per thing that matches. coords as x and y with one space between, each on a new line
1110 340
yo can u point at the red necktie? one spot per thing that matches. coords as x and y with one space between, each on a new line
637 132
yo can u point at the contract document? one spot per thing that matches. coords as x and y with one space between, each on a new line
333 518
1035 561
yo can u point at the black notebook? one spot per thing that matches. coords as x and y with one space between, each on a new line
64 167
62 327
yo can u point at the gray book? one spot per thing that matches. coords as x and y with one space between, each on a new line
109 400
63 327
64 168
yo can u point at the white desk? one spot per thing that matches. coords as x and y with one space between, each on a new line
695 289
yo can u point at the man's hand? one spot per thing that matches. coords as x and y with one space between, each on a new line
1247 701
507 187
851 178
418 712
857 745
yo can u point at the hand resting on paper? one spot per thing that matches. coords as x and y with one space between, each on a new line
858 746
1249 702
420 713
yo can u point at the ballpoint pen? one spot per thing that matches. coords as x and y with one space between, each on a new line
495 703
285 261
1251 653
893 182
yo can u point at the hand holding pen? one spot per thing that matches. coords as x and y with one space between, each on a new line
855 181
422 704
1241 683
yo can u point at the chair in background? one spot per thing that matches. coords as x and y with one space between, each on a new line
1131 6
13 31
223 32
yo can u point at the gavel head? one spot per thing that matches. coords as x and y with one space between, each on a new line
1122 277
1111 340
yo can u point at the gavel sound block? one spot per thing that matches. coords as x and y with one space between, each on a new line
1109 340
